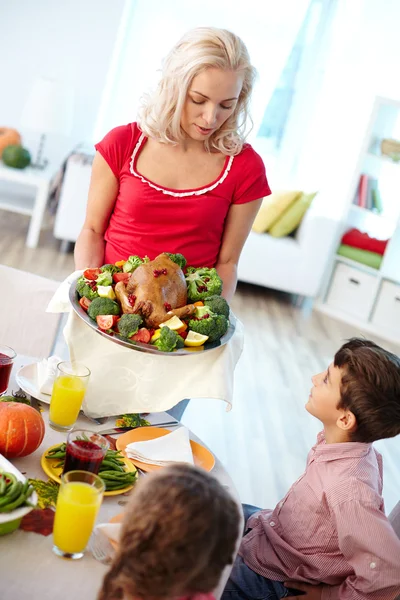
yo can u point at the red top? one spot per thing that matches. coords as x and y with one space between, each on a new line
149 219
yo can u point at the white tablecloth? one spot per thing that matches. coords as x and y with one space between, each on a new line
29 570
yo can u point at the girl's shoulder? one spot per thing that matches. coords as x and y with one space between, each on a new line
123 135
248 156
117 145
249 176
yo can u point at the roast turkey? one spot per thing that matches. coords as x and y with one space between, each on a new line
156 290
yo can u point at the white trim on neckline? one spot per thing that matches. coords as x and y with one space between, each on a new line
170 192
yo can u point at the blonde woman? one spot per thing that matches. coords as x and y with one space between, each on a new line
181 179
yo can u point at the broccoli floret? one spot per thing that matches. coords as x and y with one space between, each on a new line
111 269
132 263
103 306
168 340
202 283
129 324
215 326
179 259
218 305
104 279
84 289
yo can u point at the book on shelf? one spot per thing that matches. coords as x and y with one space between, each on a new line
367 195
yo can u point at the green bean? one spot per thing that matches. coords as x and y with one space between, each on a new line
12 493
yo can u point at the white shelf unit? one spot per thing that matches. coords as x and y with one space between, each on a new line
364 297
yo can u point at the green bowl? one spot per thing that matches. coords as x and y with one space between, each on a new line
10 526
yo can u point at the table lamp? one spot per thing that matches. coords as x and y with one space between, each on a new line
48 109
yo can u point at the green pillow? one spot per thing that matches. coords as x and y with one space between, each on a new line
365 257
292 217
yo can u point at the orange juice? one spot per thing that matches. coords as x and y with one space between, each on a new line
66 400
77 506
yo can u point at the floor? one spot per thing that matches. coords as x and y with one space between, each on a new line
263 441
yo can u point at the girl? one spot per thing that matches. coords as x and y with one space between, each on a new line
179 533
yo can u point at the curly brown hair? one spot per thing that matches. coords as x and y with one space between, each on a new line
179 532
370 389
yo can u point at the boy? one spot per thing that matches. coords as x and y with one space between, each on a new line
329 537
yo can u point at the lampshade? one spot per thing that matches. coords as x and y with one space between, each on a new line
48 108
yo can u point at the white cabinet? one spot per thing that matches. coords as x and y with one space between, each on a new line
386 314
352 291
368 298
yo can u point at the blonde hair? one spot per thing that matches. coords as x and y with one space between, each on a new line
179 533
199 49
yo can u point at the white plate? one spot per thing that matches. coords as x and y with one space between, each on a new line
18 513
28 382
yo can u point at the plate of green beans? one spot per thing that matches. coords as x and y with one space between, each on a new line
117 472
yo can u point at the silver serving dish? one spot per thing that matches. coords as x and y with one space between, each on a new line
149 348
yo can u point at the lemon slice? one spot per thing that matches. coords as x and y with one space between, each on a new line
106 291
195 339
173 323
155 335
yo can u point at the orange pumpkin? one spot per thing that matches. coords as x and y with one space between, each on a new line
21 429
8 137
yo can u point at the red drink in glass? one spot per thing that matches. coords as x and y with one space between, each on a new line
7 356
85 451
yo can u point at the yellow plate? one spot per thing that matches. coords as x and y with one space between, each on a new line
202 456
48 466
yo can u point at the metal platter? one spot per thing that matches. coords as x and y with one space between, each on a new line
140 346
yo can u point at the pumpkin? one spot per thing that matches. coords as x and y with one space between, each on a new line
16 156
8 137
21 429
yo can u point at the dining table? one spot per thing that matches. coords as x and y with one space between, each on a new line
29 569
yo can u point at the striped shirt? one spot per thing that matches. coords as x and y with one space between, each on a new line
330 528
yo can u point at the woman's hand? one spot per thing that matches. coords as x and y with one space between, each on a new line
237 227
312 592
103 190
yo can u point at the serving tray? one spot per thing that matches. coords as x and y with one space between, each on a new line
140 346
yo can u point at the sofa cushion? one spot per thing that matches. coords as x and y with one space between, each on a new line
292 217
272 208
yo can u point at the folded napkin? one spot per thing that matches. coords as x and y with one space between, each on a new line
46 372
111 530
60 301
124 380
170 448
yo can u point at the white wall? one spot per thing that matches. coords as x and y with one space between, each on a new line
363 63
69 40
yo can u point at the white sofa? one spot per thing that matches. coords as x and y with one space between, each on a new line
293 264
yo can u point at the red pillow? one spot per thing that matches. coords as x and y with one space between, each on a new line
358 239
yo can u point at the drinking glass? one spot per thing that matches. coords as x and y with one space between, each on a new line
7 356
78 503
68 392
85 451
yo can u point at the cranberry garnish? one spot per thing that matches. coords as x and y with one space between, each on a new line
167 306
131 299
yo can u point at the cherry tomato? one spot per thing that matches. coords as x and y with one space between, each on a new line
91 274
85 303
143 335
106 322
121 277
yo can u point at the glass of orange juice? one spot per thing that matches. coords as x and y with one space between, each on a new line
78 504
68 392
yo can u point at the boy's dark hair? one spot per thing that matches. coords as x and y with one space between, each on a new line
179 532
370 389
